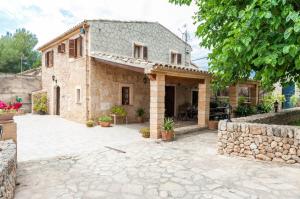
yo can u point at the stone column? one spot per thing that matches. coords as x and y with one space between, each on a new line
203 103
254 95
157 104
233 96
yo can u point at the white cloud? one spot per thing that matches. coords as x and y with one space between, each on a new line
46 19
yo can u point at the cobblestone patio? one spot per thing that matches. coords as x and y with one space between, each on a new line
186 168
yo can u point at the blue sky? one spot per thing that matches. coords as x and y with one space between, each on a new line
47 19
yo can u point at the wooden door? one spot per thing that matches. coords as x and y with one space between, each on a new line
169 101
58 100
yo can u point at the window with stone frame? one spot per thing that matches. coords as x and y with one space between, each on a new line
78 95
176 58
61 48
125 95
49 58
140 52
75 47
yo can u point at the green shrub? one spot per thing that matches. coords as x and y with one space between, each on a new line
140 112
90 123
269 100
119 111
40 103
294 100
145 132
263 108
105 119
168 124
245 110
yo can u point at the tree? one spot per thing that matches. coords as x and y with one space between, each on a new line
15 46
259 38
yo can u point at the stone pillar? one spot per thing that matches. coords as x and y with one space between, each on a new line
203 103
157 104
233 96
254 95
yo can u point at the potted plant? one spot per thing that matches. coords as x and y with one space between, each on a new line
105 121
90 123
119 111
140 112
40 104
167 133
7 112
145 132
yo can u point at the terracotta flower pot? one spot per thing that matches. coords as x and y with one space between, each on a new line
213 124
6 116
167 135
105 124
140 119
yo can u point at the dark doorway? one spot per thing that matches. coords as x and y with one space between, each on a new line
169 101
195 98
58 100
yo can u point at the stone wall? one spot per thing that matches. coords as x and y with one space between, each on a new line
246 137
8 169
70 74
118 37
13 85
107 81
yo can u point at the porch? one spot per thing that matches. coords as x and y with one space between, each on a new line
172 87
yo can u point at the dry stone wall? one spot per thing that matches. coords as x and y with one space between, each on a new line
246 137
8 169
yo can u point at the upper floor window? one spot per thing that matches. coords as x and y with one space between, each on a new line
140 52
75 47
49 59
176 58
61 48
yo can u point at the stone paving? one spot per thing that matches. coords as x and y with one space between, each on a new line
186 168
46 136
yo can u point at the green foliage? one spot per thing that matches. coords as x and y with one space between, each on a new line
17 45
19 99
140 112
90 123
3 111
105 119
294 100
263 108
241 100
145 132
40 103
168 124
250 37
118 110
245 110
269 100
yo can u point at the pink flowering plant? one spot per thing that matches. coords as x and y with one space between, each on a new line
9 108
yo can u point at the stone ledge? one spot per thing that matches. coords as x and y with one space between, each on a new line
246 137
8 168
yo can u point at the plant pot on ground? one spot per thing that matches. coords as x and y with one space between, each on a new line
90 123
105 121
140 112
145 132
213 124
6 115
167 133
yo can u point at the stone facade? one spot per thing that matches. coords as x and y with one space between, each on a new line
258 137
99 82
70 74
118 37
13 85
107 81
8 169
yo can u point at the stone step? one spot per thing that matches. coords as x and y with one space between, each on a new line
187 129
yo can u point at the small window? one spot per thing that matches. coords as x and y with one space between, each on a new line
49 58
125 95
140 52
61 48
78 96
176 58
75 47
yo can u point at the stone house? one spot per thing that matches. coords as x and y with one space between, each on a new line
101 63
